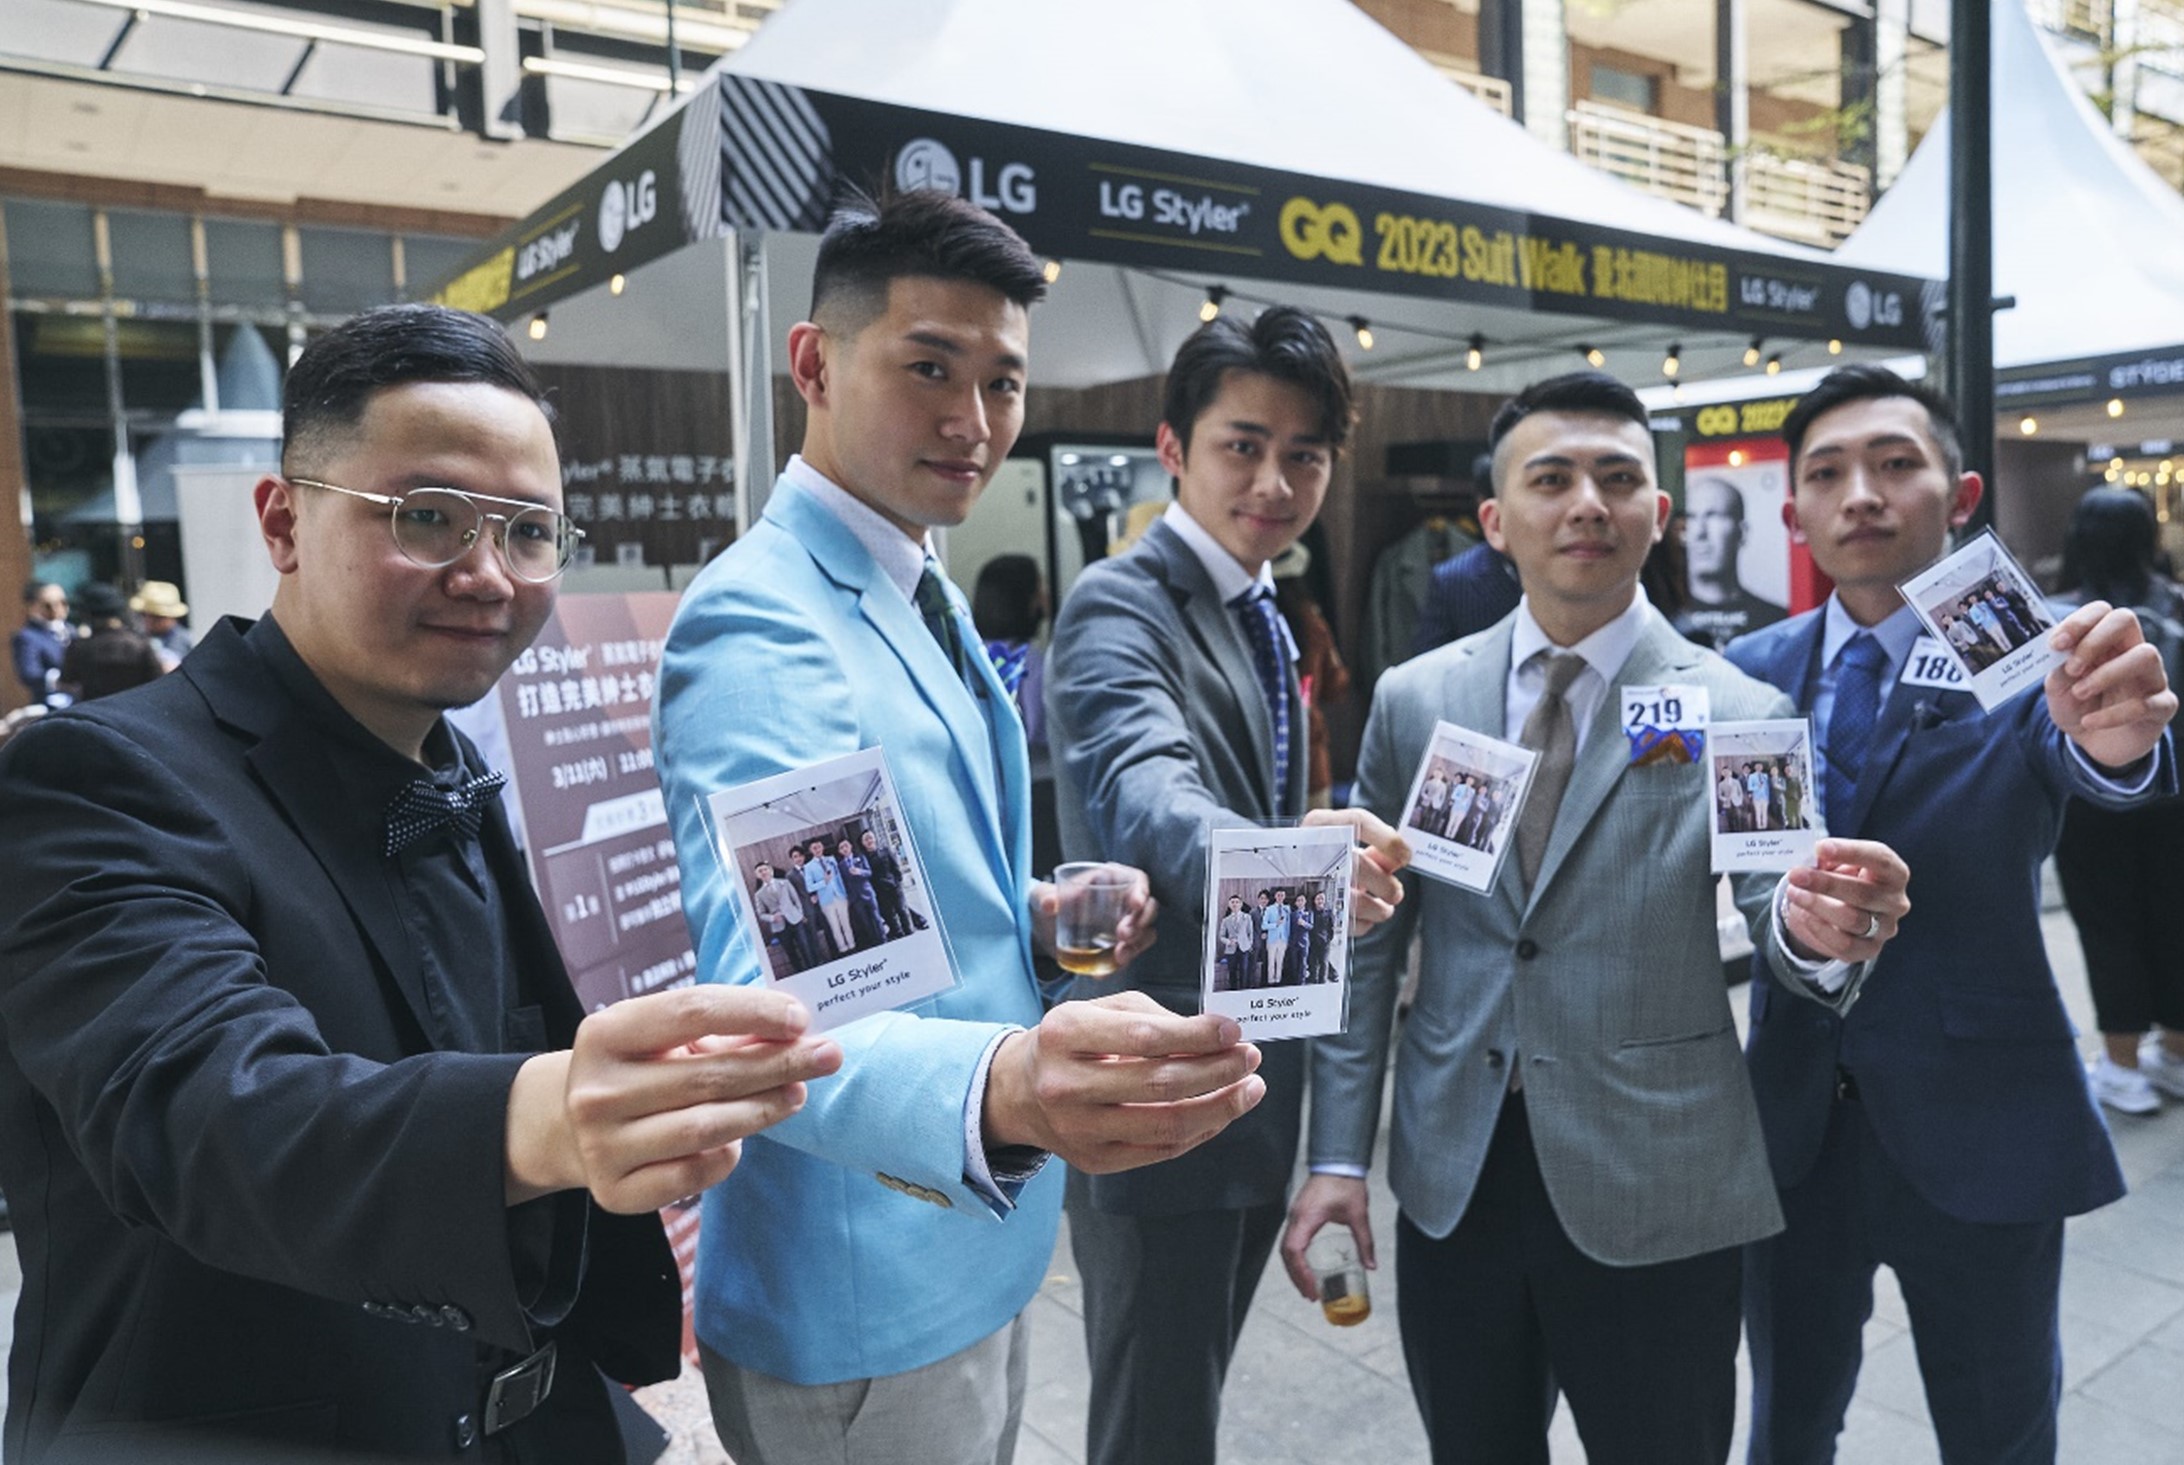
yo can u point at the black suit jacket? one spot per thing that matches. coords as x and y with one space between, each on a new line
1468 593
255 1196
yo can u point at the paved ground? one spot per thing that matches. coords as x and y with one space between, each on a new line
1302 1391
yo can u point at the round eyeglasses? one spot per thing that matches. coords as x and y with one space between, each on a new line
435 527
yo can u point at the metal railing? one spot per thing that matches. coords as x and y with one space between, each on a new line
1492 90
1811 200
1671 159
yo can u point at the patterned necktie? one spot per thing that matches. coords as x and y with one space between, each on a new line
940 617
424 808
1269 658
1553 732
1850 725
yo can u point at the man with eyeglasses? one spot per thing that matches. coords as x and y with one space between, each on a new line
303 1159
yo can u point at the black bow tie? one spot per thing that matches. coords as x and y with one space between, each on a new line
424 808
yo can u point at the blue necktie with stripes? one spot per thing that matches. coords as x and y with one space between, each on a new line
1270 659
1850 724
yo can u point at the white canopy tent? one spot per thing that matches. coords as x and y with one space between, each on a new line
2085 239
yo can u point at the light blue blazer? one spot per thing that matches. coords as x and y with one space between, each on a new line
847 1244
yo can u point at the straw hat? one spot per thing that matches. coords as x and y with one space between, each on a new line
158 598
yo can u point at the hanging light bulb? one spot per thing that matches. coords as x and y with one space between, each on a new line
1751 352
2028 425
1594 356
1215 294
538 327
1053 270
1774 364
1475 355
615 285
2115 406
1835 347
1364 329
1673 362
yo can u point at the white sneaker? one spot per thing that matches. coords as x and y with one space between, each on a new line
2161 1068
2125 1090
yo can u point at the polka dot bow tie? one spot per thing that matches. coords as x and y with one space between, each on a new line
424 808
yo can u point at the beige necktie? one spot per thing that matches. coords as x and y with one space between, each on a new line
1553 732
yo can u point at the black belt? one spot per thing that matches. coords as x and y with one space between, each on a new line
517 1390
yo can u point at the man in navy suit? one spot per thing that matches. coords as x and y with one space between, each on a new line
1941 1126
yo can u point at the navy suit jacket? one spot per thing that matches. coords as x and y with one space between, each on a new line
1963 1056
1468 593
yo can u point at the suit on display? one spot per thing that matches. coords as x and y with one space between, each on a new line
215 1000
1160 729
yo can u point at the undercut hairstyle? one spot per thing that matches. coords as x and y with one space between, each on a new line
334 379
919 233
1865 382
1283 342
1591 393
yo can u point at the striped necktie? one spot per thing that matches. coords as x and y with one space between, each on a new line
1270 659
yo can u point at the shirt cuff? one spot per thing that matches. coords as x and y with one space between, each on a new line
1338 1167
998 1175
2148 766
1829 976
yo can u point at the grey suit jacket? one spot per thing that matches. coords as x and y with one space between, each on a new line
1604 981
1159 732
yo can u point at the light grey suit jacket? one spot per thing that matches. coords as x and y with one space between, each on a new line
1604 981
1159 731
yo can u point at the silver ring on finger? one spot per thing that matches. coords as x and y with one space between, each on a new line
1872 926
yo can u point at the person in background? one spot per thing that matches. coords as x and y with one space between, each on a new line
2123 870
160 609
1322 677
37 648
1009 607
1469 591
111 659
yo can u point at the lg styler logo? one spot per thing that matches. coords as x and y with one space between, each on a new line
626 207
925 163
1332 232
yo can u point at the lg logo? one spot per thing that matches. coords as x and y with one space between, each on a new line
1331 233
626 206
926 163
1866 308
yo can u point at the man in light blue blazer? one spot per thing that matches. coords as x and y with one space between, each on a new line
1942 1127
1575 1152
862 1277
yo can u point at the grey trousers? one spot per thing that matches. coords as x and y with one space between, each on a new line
963 1410
1164 1300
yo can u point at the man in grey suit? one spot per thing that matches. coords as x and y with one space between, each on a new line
1576 1152
1173 707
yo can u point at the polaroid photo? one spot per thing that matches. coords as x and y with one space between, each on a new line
1760 802
1989 616
1278 929
1461 814
831 888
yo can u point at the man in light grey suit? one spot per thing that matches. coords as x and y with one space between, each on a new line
1173 707
1576 1152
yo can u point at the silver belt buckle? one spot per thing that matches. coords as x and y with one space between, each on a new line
519 1389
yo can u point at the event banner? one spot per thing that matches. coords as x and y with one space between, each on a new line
749 154
784 151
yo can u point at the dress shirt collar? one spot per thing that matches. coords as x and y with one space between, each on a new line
1230 579
900 558
1896 634
377 764
1605 650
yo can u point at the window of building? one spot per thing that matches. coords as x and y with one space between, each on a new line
1632 89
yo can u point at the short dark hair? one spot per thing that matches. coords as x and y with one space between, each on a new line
1005 605
1283 342
917 233
32 589
1865 382
1594 393
337 374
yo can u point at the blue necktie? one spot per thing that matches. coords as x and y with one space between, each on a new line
940 616
1269 657
1850 724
